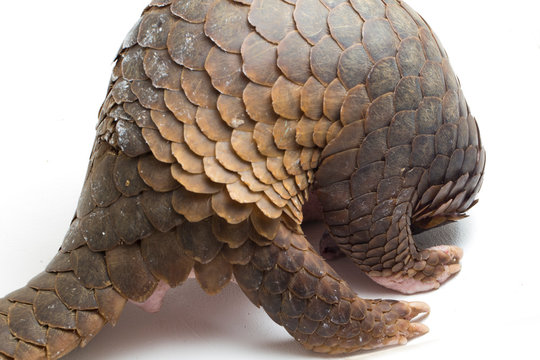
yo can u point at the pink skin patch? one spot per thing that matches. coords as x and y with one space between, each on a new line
154 302
408 285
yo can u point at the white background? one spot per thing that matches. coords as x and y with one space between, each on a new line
55 60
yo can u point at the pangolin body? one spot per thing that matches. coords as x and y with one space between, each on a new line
222 118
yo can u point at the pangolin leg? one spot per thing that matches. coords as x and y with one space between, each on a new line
301 292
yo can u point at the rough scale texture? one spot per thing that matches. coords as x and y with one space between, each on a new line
220 117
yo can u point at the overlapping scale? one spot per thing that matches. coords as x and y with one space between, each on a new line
160 68
225 70
233 112
191 11
272 19
293 57
154 28
227 25
345 25
188 45
259 60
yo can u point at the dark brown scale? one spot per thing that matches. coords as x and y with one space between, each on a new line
383 78
303 284
355 105
60 263
164 256
169 127
7 341
88 323
29 351
215 275
110 304
248 277
61 317
130 222
126 176
408 94
140 115
240 255
73 294
198 241
129 274
89 268
311 17
324 59
401 21
133 65
97 229
410 57
345 25
25 295
130 139
334 96
198 88
42 281
159 210
232 111
24 326
156 175
61 342
220 116
354 65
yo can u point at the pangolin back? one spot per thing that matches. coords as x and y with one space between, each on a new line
221 117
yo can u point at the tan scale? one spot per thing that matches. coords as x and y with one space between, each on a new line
225 121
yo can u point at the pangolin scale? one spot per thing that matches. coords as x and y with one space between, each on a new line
222 120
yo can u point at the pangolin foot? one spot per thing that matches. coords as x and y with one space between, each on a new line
402 325
433 266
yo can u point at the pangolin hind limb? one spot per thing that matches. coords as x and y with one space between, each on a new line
220 117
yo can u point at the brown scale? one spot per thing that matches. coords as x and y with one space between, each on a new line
221 117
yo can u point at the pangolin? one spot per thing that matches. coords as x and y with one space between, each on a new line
227 121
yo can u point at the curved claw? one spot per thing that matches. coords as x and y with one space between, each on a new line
417 329
418 308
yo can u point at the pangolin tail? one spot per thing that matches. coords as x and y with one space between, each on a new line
58 310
